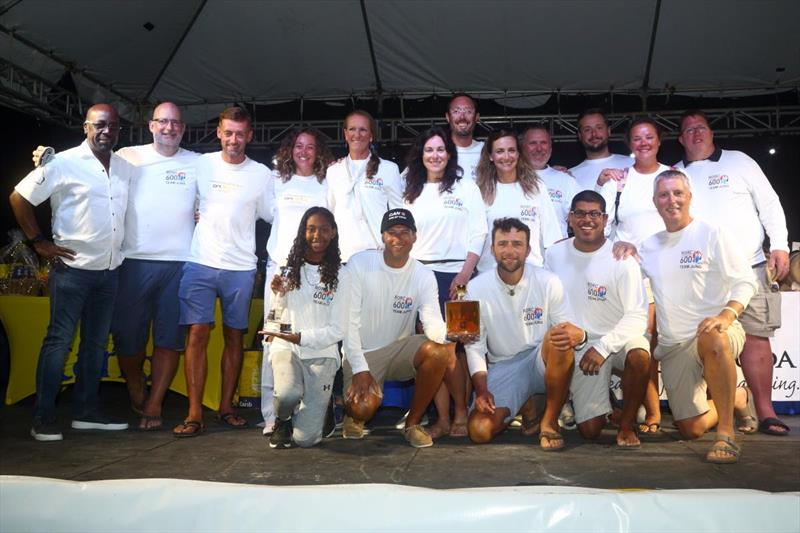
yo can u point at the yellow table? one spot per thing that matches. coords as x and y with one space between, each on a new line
25 320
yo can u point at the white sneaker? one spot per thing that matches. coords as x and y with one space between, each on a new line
99 422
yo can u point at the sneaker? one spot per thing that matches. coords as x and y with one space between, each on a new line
338 415
352 429
97 421
329 427
516 422
401 424
417 437
46 432
567 417
269 427
282 434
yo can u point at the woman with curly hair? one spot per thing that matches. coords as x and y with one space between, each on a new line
362 187
298 182
305 361
511 188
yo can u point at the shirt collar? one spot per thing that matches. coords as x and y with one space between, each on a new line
715 155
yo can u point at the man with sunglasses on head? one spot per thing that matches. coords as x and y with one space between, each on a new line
462 116
162 195
88 191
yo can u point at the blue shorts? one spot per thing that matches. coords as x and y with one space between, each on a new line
148 292
200 286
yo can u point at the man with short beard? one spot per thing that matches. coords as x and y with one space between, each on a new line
88 191
462 116
593 133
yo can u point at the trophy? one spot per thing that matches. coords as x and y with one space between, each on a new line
463 317
278 317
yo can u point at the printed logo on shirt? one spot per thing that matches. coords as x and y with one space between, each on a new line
718 181
597 292
528 213
296 199
556 195
322 296
223 187
374 184
691 259
402 304
451 202
532 316
175 177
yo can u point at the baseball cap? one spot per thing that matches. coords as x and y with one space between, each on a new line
393 217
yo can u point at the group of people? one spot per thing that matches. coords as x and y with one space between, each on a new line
368 257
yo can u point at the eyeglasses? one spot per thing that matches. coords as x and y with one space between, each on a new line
462 111
695 129
164 121
108 126
580 213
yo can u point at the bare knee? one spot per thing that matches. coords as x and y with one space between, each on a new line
638 360
591 429
441 355
712 343
689 428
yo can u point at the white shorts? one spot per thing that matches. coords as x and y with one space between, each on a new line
514 380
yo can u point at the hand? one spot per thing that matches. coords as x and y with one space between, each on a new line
462 278
361 387
591 362
484 402
42 155
49 250
464 338
779 263
622 249
565 336
276 285
719 323
293 338
608 174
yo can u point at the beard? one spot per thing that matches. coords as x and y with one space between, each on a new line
511 266
596 149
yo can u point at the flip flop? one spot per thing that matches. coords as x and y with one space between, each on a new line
459 429
147 419
551 436
764 427
229 420
653 427
748 423
188 429
725 444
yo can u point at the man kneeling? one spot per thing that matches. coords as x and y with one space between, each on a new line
518 303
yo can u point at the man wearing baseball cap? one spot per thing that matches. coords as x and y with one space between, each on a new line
388 290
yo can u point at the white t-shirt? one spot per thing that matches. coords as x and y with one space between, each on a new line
606 295
290 201
694 272
562 188
159 222
637 214
586 173
318 314
511 325
449 225
88 205
535 211
359 203
469 157
384 303
733 192
232 197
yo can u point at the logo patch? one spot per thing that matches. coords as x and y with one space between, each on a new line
532 316
691 259
175 177
556 195
322 296
223 187
451 202
528 213
597 292
374 184
402 304
718 181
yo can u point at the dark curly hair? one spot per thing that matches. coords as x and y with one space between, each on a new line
285 162
331 261
417 174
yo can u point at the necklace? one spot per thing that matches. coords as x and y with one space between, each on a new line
510 289
314 278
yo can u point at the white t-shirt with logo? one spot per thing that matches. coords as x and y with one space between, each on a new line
514 324
159 222
231 197
535 211
384 303
587 172
469 157
606 295
449 224
694 272
562 188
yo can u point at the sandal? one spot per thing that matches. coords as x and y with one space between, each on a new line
649 427
723 443
188 428
232 420
150 423
459 429
747 423
764 427
547 437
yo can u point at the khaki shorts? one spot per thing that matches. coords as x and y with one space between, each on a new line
763 314
394 362
682 373
590 393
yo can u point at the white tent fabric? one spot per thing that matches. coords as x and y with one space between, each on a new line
202 53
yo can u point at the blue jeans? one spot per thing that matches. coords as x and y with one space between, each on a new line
75 295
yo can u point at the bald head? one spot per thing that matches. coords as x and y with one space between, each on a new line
167 128
101 129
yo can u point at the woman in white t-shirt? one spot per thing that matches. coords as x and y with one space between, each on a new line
633 218
297 183
510 188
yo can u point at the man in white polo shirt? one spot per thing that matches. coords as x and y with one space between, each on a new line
701 284
233 193
731 191
526 340
88 191
462 116
537 147
593 134
607 297
388 288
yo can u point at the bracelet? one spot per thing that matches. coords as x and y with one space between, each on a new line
732 310
578 347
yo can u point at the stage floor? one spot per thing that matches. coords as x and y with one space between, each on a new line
243 456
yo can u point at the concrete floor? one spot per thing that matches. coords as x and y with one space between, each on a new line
243 456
